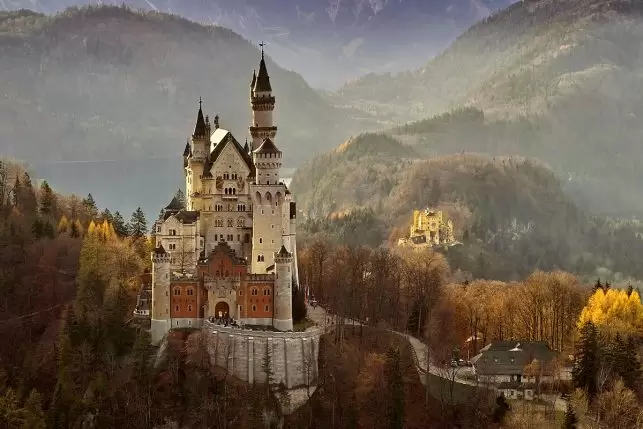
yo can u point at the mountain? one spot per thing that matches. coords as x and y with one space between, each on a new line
105 83
328 41
557 80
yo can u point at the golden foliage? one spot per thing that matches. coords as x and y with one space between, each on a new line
614 312
63 225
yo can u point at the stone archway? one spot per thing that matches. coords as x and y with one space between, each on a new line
222 309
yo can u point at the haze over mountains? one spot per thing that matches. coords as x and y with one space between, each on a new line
556 80
327 41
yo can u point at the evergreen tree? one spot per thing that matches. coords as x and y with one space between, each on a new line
47 199
119 225
266 367
90 206
626 364
597 286
27 202
630 289
138 224
107 215
501 409
585 369
299 310
396 390
570 418
181 197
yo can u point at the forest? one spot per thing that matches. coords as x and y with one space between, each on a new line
73 357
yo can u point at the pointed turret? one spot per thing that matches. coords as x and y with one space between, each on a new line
187 150
200 130
246 148
254 79
262 83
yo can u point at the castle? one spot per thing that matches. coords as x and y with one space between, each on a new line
429 227
229 250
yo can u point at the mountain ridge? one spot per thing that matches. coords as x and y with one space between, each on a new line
328 41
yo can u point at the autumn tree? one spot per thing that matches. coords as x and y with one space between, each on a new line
90 207
614 312
47 200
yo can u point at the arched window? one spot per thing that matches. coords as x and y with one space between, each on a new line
234 191
266 308
189 308
254 308
266 292
177 291
190 291
254 291
230 223
240 222
176 308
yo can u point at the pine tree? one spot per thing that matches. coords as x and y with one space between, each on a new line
597 286
630 289
181 197
119 225
47 199
626 364
585 369
106 215
27 202
90 206
138 224
570 418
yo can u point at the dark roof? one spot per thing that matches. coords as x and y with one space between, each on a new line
185 216
159 250
283 251
188 150
246 148
199 129
270 268
254 79
224 247
263 80
175 204
510 357
227 137
267 147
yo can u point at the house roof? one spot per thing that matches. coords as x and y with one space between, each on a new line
510 357
183 216
175 204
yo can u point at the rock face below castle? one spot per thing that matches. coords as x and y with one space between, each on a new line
226 248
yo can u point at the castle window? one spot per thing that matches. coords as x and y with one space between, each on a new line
272 226
240 292
189 308
261 211
240 223
254 308
254 291
273 212
260 240
217 273
226 191
177 291
176 308
230 223
273 241
226 176
266 292
158 229
190 291
276 202
234 191
266 308
234 176
216 237
218 222
230 237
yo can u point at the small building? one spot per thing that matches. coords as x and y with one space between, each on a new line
516 367
429 227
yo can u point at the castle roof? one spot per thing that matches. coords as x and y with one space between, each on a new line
183 216
200 129
224 247
254 79
175 205
187 151
159 250
262 84
218 141
267 147
283 251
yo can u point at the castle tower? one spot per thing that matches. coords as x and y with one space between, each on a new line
282 319
263 104
196 160
161 321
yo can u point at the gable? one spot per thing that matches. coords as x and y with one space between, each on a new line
223 143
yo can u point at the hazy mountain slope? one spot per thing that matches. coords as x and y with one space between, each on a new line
526 58
328 41
561 81
108 83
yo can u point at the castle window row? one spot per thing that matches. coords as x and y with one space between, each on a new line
230 191
260 258
255 292
178 308
177 291
228 176
230 237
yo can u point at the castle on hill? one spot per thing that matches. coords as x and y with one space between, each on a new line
228 250
429 228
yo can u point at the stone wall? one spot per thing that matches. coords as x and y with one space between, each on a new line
292 356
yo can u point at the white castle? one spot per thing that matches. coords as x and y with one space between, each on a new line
228 250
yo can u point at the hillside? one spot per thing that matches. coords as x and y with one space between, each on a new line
327 41
108 83
568 73
511 213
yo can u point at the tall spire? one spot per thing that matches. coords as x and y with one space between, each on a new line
254 79
262 83
200 128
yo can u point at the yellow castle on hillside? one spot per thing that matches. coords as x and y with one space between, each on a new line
429 227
